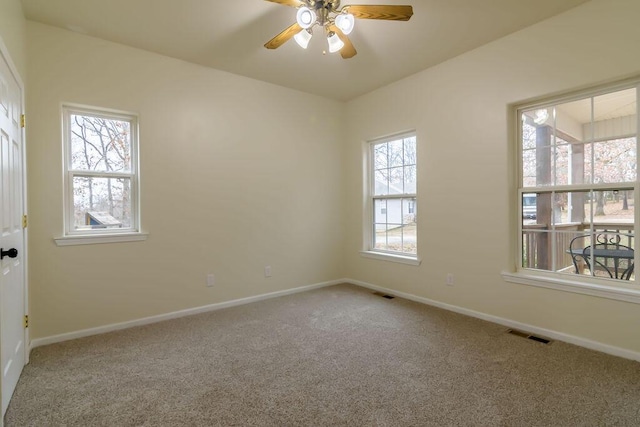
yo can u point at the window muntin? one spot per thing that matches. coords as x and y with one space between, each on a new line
393 195
578 182
101 178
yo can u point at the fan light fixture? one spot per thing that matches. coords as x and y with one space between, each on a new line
336 22
306 17
303 38
346 22
335 44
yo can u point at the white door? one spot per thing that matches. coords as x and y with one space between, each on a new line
12 271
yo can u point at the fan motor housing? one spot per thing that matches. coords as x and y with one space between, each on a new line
328 5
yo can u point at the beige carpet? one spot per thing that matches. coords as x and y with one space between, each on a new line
329 357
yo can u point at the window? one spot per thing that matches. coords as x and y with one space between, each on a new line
578 186
101 172
393 196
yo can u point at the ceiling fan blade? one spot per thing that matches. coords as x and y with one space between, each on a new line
380 11
292 3
347 51
283 37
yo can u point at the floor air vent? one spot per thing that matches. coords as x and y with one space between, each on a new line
528 336
383 295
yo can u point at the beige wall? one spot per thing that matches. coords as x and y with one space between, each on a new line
235 174
466 174
13 33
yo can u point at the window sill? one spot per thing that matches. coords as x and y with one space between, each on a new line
100 238
391 257
579 287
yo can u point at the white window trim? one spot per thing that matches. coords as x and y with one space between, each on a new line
603 288
81 237
367 244
391 256
97 239
584 287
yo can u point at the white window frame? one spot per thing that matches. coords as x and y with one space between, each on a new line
589 285
369 251
92 236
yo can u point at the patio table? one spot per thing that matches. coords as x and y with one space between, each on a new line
608 253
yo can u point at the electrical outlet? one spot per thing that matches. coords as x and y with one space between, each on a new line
449 279
211 280
267 271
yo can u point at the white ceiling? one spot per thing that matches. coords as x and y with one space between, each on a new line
229 35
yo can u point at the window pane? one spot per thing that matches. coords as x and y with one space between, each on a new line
571 208
100 144
529 168
535 247
101 203
588 163
549 250
410 241
409 228
380 211
380 237
529 208
572 244
380 154
571 120
537 166
394 211
604 253
562 164
396 153
396 180
558 208
394 237
410 179
614 160
613 207
537 137
614 115
528 133
538 117
539 208
409 211
410 151
381 184
395 229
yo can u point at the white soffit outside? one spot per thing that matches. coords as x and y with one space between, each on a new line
229 35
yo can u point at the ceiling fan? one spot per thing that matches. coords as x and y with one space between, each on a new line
336 22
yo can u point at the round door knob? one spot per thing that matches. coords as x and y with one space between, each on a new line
11 253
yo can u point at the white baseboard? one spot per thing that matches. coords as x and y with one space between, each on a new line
548 333
173 315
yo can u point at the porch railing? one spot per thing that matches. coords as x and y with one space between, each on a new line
537 246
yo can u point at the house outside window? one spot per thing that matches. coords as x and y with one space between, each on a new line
578 186
392 197
100 172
